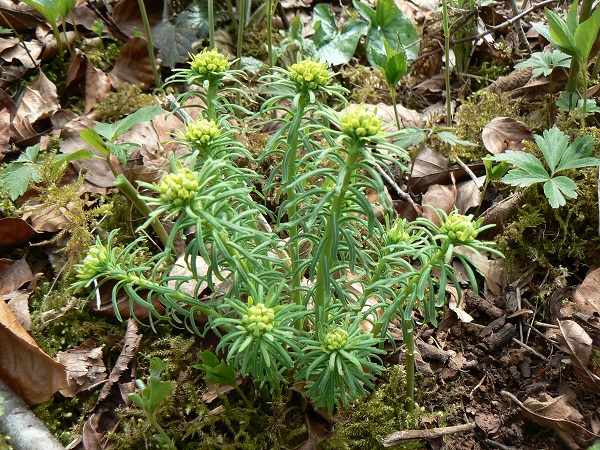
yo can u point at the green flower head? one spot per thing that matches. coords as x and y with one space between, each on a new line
460 229
259 319
309 74
335 339
399 234
178 188
95 263
209 62
361 123
202 132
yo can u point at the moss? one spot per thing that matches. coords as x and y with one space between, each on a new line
473 115
373 419
365 85
102 53
594 363
127 99
5 442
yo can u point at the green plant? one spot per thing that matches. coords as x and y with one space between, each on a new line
573 38
151 396
304 292
53 10
559 156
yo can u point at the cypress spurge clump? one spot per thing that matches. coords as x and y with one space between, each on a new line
290 309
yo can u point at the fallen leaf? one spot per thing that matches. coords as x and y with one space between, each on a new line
578 344
15 233
587 294
468 195
318 424
429 167
115 393
84 78
456 306
84 366
39 101
438 196
488 423
133 64
5 121
127 15
13 275
24 367
505 133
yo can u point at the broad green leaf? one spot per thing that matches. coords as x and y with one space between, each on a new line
544 30
141 115
409 136
365 11
518 177
30 154
46 9
577 155
392 64
217 371
92 137
558 188
560 35
528 163
63 158
553 144
174 41
585 34
157 389
333 45
63 7
392 24
572 18
495 172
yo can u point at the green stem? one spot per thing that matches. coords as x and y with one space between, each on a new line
574 70
409 341
241 7
131 193
157 81
446 26
211 99
290 173
64 26
161 432
395 105
244 398
409 288
211 24
584 109
270 32
326 258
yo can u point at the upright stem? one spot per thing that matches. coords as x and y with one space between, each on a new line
584 109
584 14
409 341
327 255
211 24
270 31
395 105
446 26
211 98
148 30
290 173
241 6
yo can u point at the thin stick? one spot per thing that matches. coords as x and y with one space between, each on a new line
490 30
470 173
397 189
398 437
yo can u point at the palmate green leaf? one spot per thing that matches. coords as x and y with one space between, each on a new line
585 34
15 178
216 371
334 45
557 188
174 41
528 163
577 155
553 143
543 63
450 138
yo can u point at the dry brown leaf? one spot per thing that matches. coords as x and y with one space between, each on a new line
13 275
12 51
83 77
440 197
559 415
429 167
39 101
23 134
18 19
85 367
126 14
505 133
133 64
114 394
578 344
455 304
587 294
15 233
24 367
318 424
468 194
4 137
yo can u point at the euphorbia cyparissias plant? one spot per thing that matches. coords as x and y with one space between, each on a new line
285 301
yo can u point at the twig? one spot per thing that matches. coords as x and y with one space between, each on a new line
470 173
114 28
539 333
398 437
498 445
490 30
25 430
478 386
397 189
529 349
520 306
522 37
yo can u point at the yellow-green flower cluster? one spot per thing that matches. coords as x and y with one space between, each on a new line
259 319
336 338
202 132
94 263
209 62
361 123
459 228
398 234
309 74
178 188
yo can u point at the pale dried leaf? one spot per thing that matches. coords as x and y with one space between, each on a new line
455 304
13 275
505 133
440 197
428 167
578 344
133 64
587 294
84 366
23 364
468 195
39 101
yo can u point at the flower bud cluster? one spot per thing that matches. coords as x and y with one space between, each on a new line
259 319
94 263
209 62
202 132
336 338
361 123
459 228
398 234
178 188
309 74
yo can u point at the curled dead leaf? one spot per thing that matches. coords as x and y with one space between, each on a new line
505 133
577 344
